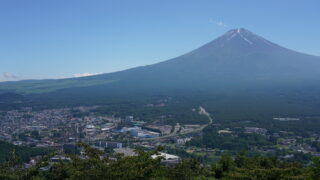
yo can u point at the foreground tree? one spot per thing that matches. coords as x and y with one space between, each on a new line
97 165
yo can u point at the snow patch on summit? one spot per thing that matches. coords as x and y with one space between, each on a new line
245 39
232 36
238 32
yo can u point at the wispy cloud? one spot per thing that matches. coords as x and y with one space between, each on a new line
85 74
6 76
218 23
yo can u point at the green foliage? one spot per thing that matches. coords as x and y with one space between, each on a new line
187 169
212 139
315 170
96 165
23 152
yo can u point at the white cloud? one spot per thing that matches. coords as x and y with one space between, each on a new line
85 74
218 23
8 77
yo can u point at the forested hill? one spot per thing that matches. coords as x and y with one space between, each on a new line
96 166
23 152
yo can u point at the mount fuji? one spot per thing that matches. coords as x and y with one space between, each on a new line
237 61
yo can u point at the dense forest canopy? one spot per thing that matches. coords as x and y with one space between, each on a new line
23 152
96 165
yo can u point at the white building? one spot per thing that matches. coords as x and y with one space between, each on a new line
167 159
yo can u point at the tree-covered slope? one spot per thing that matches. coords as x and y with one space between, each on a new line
6 149
96 166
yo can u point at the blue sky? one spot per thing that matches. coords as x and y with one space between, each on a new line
66 38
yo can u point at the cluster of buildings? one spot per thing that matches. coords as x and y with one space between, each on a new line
57 127
108 144
256 130
138 132
67 126
53 127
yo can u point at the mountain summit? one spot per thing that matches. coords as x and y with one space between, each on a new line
244 35
239 41
238 56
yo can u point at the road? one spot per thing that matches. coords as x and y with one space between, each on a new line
202 111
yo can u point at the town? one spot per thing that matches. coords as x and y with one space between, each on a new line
62 129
